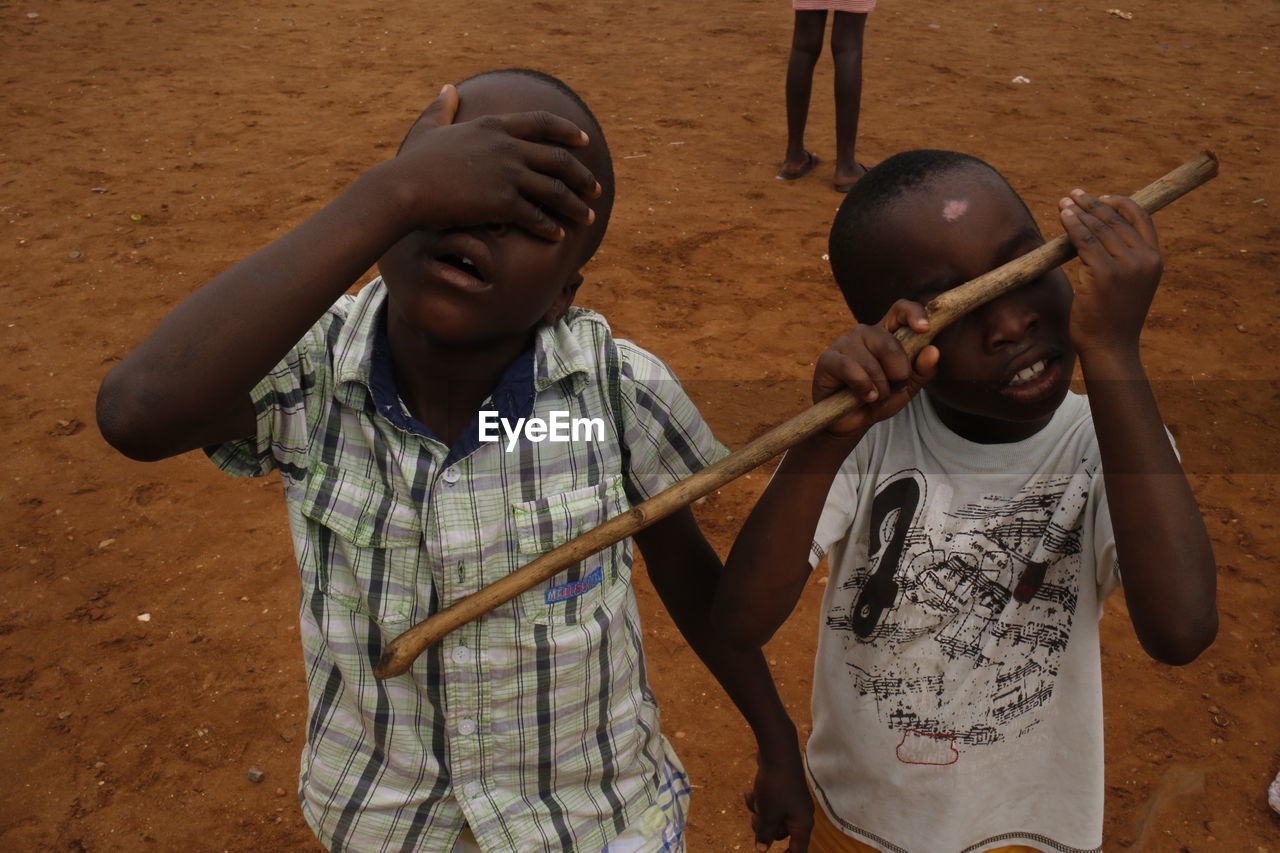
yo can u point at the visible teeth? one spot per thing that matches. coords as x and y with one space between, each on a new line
1027 374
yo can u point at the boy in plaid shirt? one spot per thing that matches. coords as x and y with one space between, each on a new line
532 728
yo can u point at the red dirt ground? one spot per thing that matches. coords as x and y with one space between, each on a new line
147 145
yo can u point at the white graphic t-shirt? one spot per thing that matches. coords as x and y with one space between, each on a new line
957 700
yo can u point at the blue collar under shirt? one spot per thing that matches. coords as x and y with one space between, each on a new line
512 399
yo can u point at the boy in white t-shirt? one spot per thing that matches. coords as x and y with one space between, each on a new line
973 536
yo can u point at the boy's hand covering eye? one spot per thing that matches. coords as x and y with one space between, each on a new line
498 169
871 362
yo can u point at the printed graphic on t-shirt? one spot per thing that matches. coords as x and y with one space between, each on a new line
956 623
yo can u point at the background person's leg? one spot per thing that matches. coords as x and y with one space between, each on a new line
806 46
846 52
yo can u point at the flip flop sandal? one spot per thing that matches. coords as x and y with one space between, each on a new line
811 160
844 188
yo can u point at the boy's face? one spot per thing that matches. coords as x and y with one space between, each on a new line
514 280
1005 366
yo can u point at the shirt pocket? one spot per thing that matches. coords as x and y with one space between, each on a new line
369 545
574 594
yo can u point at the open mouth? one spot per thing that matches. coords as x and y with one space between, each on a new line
1028 374
1038 380
460 262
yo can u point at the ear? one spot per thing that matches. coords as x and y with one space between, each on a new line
563 300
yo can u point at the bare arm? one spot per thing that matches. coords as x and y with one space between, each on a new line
769 562
187 385
685 571
1166 561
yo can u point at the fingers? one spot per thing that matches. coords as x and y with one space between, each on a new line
906 314
1114 237
758 828
767 832
442 110
766 825
560 163
553 197
1102 223
534 219
869 360
555 182
560 183
912 315
872 364
852 369
1137 217
543 126
799 830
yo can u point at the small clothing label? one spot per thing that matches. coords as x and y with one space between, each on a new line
575 588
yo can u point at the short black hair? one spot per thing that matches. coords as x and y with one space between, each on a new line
859 214
603 171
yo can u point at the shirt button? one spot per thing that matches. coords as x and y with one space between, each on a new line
467 726
452 474
472 789
461 654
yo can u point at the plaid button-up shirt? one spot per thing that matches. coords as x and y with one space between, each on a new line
535 724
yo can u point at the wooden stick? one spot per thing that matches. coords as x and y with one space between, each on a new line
403 650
